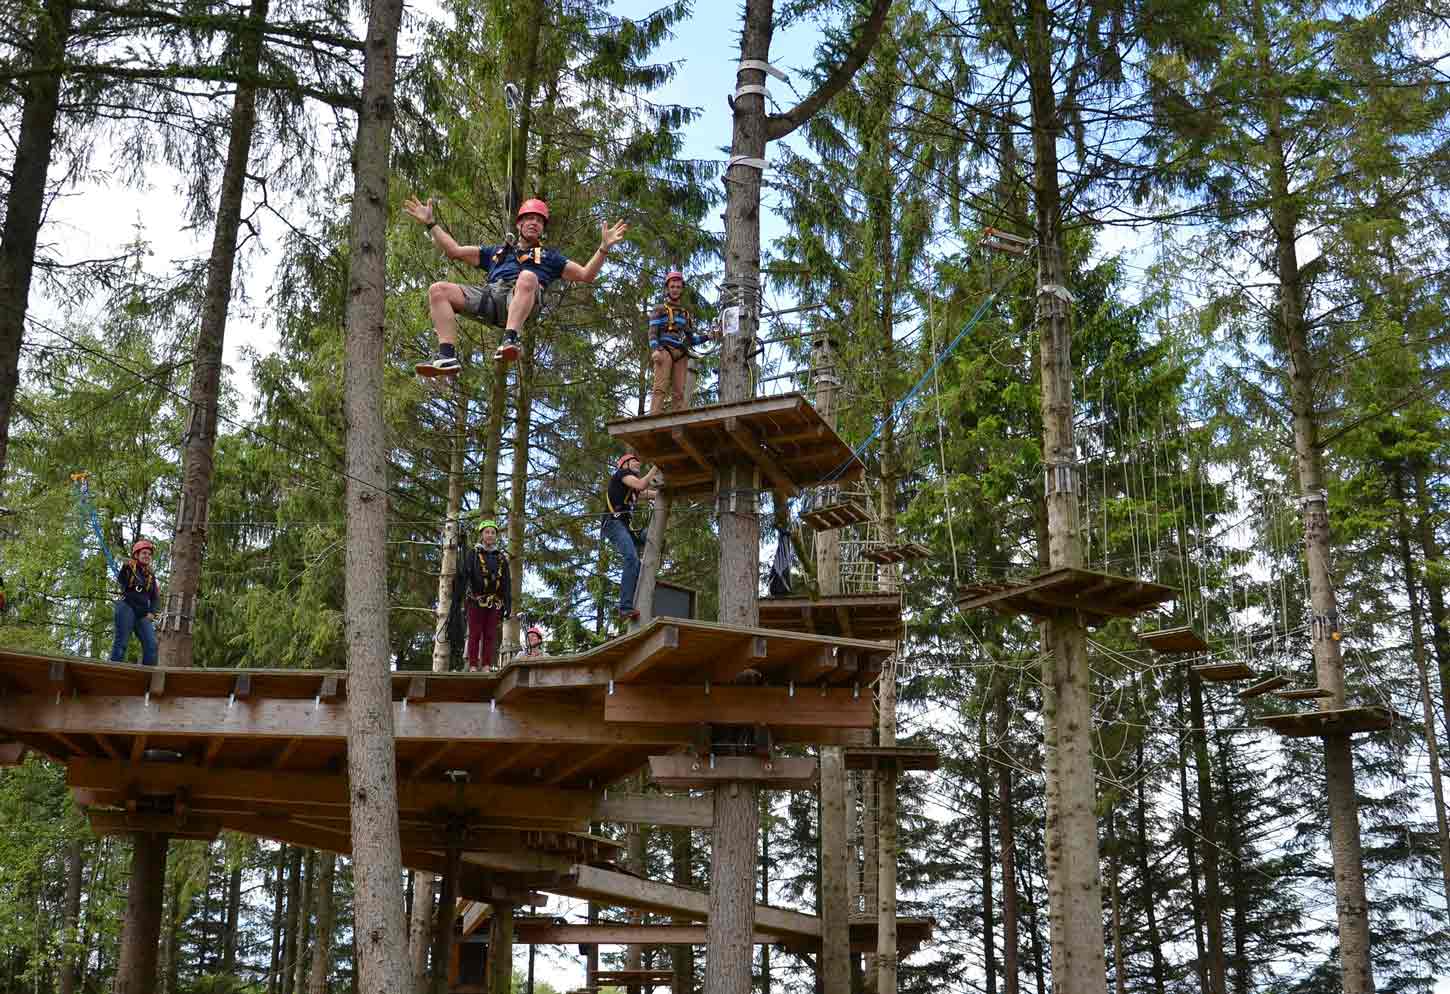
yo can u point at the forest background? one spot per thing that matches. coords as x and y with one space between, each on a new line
1213 832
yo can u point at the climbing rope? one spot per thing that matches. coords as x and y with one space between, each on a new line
83 499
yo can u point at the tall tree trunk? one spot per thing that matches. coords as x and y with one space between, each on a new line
166 966
1427 702
371 756
74 874
634 846
233 921
1120 969
682 957
732 892
198 443
1190 850
294 917
1145 874
304 925
420 926
1208 833
1239 967
25 203
1007 839
518 491
141 933
1439 615
452 532
1039 966
984 818
501 950
326 921
764 885
279 909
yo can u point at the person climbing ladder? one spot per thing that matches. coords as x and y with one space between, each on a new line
136 607
671 336
624 488
517 275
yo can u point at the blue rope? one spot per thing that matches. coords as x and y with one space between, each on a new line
971 323
90 509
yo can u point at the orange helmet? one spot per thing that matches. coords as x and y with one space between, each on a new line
534 206
140 545
674 274
535 630
625 459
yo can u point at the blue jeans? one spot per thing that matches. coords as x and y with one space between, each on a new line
623 540
128 619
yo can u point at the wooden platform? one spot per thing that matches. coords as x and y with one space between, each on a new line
1222 672
1097 596
866 616
1304 694
911 934
890 555
1341 721
899 757
1267 685
648 979
832 516
784 436
1173 640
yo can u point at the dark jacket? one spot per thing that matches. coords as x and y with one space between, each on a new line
484 576
139 587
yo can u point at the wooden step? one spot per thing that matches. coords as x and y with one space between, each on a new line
1269 683
1097 597
1304 694
833 516
1340 721
1171 640
888 555
1218 672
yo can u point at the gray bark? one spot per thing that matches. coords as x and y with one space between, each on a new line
74 872
371 757
326 873
141 933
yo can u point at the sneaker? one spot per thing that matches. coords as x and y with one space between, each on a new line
508 350
439 365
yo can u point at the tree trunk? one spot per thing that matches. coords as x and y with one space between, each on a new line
984 818
1239 966
167 967
634 844
1427 703
279 907
828 543
233 921
198 443
447 916
886 952
292 923
732 890
326 921
1190 850
1208 834
1039 968
420 927
518 493
452 530
25 203
1120 970
1439 616
74 874
1145 873
371 756
682 957
870 863
501 950
834 966
764 885
304 925
1007 839
141 933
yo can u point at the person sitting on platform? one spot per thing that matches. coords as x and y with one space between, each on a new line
136 608
518 273
625 487
486 586
533 642
671 336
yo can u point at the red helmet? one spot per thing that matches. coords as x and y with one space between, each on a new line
626 458
140 545
534 206
535 630
674 274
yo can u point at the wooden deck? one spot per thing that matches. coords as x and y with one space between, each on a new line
867 616
784 436
830 517
1173 640
1338 721
911 934
890 555
1099 597
898 757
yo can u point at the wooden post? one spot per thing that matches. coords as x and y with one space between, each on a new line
141 934
501 949
729 935
886 959
447 915
649 566
420 926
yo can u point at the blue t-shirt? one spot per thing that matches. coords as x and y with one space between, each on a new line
504 263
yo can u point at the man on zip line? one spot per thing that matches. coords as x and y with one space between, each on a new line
516 275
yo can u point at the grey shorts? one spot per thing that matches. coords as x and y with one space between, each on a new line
489 303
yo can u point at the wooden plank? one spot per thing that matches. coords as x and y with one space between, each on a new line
331 688
157 685
750 445
1173 640
430 760
213 750
689 771
1337 721
682 439
748 654
1269 683
1217 672
126 823
285 756
649 653
673 811
1304 694
831 708
901 757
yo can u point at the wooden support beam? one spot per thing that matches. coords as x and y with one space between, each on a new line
244 791
563 771
667 810
138 746
107 747
242 686
417 689
753 651
330 689
832 708
751 447
128 823
432 759
285 756
61 682
647 654
682 439
213 750
703 772
157 685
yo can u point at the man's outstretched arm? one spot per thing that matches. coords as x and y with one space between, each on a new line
609 236
423 214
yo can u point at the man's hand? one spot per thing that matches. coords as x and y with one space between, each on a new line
611 235
649 494
420 212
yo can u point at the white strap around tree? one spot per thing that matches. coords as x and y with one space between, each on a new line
763 66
